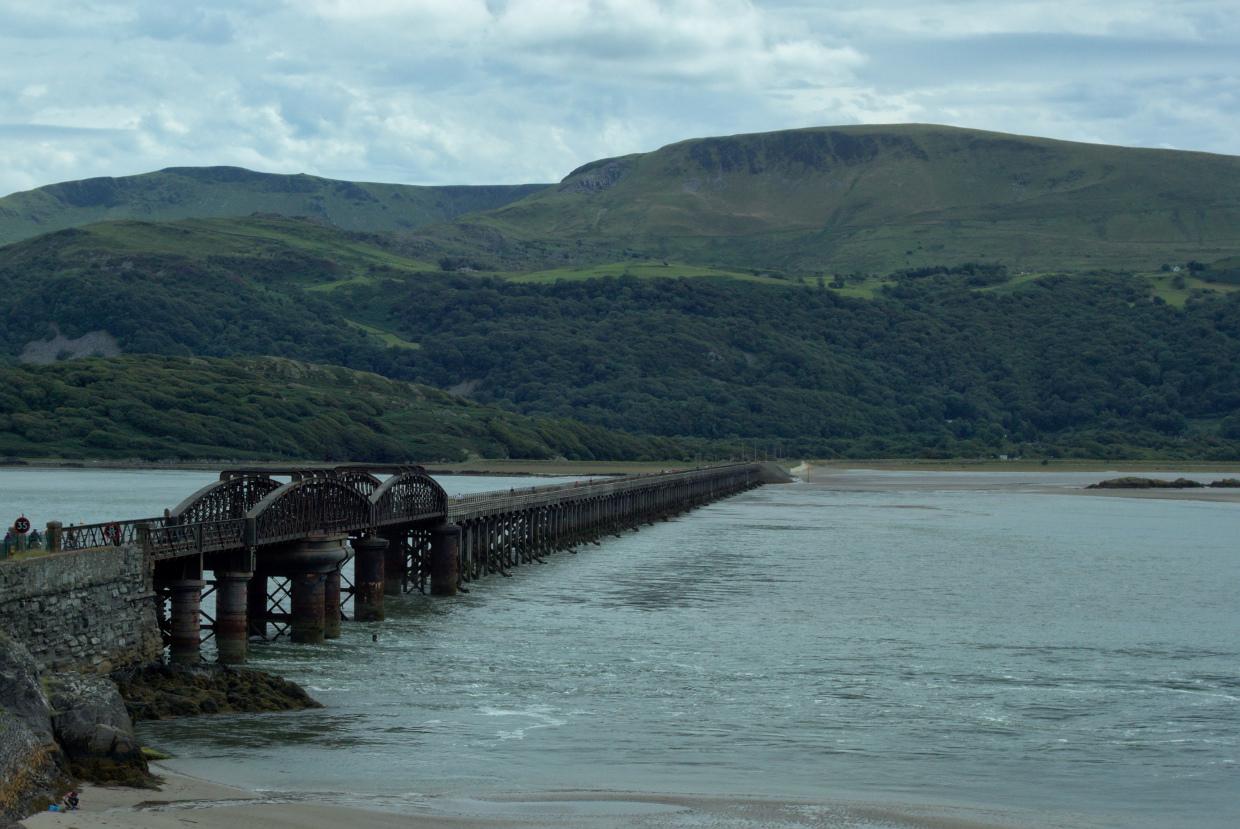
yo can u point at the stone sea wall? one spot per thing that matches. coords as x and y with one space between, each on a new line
92 610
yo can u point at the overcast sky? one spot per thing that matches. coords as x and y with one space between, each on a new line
506 91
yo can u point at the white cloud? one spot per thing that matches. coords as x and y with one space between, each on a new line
467 91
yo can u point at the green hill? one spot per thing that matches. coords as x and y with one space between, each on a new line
953 360
202 192
176 408
879 198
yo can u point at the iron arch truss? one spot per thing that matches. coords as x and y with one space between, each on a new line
305 508
408 497
363 482
228 499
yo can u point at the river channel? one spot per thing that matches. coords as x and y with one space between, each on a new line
864 655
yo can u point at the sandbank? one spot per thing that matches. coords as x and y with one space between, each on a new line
1040 480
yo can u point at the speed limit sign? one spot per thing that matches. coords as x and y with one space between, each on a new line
22 525
112 531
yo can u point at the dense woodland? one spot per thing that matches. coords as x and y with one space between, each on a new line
943 362
1082 365
175 408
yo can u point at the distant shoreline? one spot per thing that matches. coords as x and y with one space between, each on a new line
534 468
1055 480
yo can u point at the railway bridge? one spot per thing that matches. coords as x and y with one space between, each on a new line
273 553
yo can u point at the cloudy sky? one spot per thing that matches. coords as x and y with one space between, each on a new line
505 91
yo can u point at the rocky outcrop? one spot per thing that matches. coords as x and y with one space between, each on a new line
91 344
93 729
33 769
157 692
596 177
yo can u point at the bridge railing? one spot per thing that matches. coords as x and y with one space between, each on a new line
478 503
173 540
86 536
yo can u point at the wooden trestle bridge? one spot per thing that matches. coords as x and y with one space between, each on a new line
275 551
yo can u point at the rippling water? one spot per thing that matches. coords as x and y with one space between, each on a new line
1026 658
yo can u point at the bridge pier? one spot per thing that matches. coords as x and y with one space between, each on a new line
445 542
368 578
306 591
185 647
308 564
331 605
394 565
256 606
231 605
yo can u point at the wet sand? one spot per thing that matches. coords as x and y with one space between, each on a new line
186 801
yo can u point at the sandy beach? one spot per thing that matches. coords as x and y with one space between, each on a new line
185 801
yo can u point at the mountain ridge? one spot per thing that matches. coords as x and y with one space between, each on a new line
869 197
215 192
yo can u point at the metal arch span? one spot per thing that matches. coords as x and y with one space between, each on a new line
305 508
227 499
408 497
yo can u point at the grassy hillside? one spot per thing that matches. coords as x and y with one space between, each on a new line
159 408
879 198
201 192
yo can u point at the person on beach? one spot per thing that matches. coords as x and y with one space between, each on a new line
71 802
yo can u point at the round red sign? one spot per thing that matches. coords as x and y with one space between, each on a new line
112 531
22 525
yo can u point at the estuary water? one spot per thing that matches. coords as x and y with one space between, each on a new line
841 654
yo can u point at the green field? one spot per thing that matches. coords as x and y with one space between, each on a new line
388 338
644 270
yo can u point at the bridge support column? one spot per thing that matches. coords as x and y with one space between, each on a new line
394 565
368 567
256 607
231 630
186 645
331 605
445 540
307 599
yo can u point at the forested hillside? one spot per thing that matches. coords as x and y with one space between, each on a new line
175 408
964 359
931 366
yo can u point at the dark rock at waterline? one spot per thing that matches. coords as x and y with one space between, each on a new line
33 770
158 692
1146 483
1226 483
93 728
